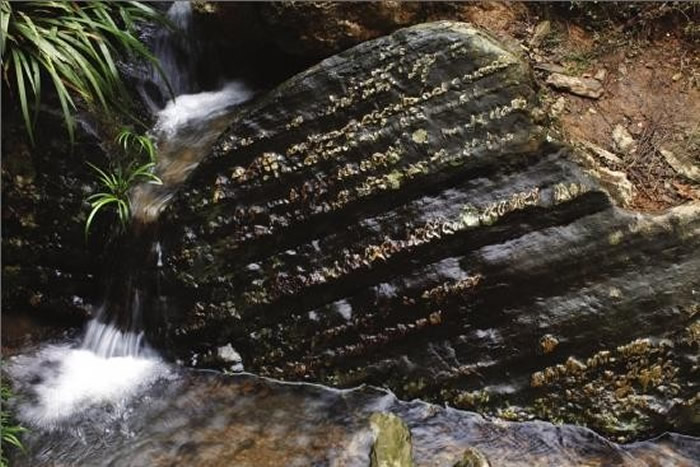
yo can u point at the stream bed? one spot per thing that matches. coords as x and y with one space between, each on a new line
86 410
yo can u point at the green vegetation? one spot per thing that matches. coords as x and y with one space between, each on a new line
115 184
138 144
10 430
73 45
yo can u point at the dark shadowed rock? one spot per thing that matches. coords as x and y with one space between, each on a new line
393 216
323 28
48 270
315 30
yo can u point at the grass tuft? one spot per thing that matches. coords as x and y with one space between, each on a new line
73 46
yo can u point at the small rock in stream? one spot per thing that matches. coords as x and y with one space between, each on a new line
472 458
392 447
229 355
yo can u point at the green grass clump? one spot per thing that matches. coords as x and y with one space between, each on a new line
115 184
74 46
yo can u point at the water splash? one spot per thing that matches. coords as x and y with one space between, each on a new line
62 381
187 116
107 341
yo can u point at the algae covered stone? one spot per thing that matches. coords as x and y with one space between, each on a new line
472 457
392 445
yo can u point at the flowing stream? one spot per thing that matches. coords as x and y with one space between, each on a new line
110 399
175 49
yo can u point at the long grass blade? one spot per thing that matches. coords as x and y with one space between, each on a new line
75 44
5 13
96 207
22 94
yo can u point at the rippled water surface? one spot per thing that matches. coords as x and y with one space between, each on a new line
86 410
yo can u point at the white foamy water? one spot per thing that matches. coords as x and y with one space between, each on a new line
62 382
107 341
198 110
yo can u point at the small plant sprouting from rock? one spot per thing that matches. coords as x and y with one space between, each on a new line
115 184
130 141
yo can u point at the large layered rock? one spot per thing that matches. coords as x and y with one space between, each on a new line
394 216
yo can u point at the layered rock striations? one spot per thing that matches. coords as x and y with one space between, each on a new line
394 216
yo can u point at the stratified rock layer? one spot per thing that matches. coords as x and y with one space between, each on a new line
394 216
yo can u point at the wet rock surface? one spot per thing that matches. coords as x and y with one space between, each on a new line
205 418
394 216
48 270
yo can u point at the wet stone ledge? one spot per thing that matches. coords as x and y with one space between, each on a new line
393 216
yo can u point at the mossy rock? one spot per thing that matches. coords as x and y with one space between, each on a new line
392 446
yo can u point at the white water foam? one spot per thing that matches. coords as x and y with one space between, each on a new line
185 130
107 341
65 381
198 110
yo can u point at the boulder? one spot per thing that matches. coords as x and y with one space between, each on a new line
393 216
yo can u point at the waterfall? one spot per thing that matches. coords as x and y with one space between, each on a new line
114 361
176 49
185 129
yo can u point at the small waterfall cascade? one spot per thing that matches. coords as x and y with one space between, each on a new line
176 49
185 130
114 361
